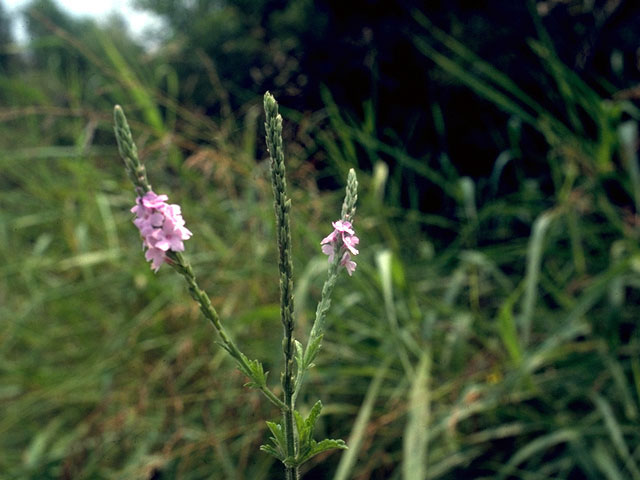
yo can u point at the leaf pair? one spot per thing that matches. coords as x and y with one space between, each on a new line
251 368
307 446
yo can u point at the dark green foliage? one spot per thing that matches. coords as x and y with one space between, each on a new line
5 41
364 52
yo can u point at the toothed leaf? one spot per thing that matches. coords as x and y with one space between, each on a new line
300 424
312 351
322 446
311 420
271 451
299 354
278 435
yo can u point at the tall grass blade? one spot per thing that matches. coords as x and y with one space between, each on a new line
350 456
532 277
416 432
534 447
481 87
384 262
141 95
617 437
507 326
605 463
466 55
628 135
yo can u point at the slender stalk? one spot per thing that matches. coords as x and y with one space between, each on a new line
138 175
129 153
282 204
317 330
318 324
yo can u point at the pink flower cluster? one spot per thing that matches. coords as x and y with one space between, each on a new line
342 241
161 226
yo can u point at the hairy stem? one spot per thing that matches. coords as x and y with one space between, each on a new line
282 204
138 175
317 330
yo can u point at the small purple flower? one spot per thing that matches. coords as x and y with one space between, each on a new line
342 241
328 249
350 242
156 257
348 264
151 200
161 226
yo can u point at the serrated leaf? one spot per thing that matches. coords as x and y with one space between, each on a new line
258 373
271 451
329 444
311 420
276 449
323 446
255 371
303 453
299 353
300 425
305 428
241 366
312 351
278 436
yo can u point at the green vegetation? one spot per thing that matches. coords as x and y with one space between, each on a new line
497 338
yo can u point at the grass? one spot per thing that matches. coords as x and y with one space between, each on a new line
510 350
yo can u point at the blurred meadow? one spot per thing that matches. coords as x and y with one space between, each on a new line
491 328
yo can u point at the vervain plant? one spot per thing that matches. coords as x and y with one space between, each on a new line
163 231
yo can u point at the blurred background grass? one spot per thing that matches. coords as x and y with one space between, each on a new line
491 329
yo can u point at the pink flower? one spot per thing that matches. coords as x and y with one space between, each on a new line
343 241
161 226
348 264
156 257
340 227
169 237
343 226
151 200
350 242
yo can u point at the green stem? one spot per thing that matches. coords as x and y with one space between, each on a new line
317 329
273 127
129 153
138 175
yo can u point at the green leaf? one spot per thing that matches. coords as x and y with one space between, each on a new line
312 351
278 440
323 446
272 451
311 420
300 426
252 369
299 354
534 262
507 327
305 428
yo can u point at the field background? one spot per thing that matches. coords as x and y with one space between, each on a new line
491 328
